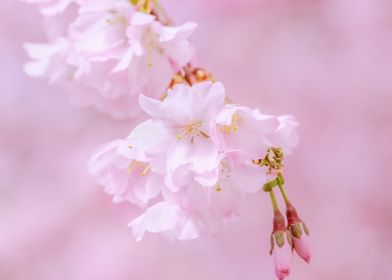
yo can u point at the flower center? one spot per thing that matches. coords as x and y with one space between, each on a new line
140 167
235 124
117 19
191 130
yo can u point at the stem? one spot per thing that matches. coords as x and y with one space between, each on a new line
273 200
283 192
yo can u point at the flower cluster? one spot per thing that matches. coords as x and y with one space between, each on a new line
198 155
109 53
192 162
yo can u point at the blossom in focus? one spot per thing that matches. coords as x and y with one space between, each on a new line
240 128
201 180
178 134
196 208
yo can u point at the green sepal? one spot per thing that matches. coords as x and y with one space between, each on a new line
280 238
296 230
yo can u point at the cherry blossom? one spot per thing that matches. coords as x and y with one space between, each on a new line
197 208
197 156
202 176
241 128
177 135
168 218
125 173
110 54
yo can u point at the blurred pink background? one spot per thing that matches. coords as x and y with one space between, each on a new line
327 62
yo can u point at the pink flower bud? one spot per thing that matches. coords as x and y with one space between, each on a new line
281 247
302 245
300 234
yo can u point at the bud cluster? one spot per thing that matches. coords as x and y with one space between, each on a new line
294 236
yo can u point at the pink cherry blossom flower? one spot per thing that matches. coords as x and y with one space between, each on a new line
168 218
195 208
148 52
124 173
62 66
183 142
177 135
240 128
286 136
99 31
111 54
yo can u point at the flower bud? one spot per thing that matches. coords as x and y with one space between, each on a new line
281 247
300 234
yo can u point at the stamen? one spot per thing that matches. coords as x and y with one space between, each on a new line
235 124
205 135
272 160
181 136
138 165
145 171
192 129
225 170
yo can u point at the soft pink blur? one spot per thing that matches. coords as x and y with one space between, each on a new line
327 62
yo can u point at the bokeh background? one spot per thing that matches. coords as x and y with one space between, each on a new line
328 62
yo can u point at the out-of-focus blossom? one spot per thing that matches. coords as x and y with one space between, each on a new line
62 66
110 54
48 60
